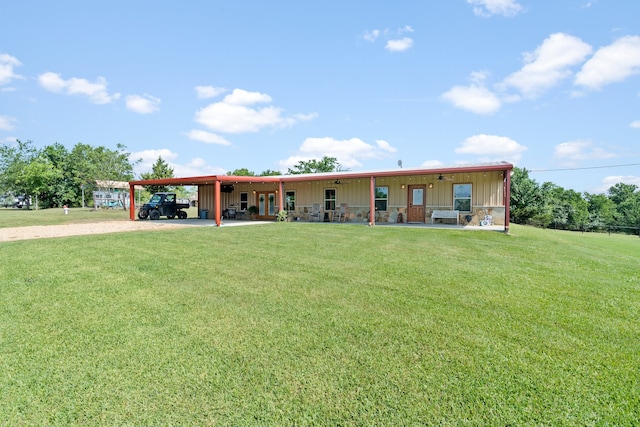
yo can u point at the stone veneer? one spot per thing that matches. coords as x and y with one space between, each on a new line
394 215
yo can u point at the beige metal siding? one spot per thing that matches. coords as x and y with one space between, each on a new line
487 192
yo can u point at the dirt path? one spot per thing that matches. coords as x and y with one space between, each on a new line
63 230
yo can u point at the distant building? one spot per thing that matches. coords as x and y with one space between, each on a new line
113 194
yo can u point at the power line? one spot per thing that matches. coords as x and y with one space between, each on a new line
585 168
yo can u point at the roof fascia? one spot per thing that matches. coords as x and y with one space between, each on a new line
230 179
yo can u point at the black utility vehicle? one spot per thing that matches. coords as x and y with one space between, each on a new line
163 204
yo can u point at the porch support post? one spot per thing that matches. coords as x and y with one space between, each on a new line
280 196
372 201
216 203
132 202
507 199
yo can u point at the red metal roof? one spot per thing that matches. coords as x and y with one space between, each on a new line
230 179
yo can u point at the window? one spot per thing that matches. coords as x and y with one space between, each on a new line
382 197
329 199
290 201
462 197
244 201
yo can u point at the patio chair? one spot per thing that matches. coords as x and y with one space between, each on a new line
340 214
315 212
231 213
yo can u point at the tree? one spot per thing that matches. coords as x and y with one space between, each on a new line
159 170
326 164
13 161
13 158
270 172
37 178
242 172
627 200
629 210
88 165
601 209
62 190
525 196
621 192
565 209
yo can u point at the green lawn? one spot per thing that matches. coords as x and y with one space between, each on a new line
321 324
23 217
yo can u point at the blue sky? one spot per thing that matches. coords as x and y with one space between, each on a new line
212 86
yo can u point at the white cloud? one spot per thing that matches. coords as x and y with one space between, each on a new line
96 92
204 92
385 146
579 150
394 40
548 65
492 148
243 97
399 45
610 181
8 140
474 98
52 82
197 167
431 163
148 158
207 137
611 64
371 36
305 117
7 65
143 104
495 7
7 123
349 152
635 124
194 167
236 114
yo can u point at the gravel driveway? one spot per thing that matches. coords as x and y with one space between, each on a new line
63 230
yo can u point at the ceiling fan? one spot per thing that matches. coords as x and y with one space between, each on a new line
441 177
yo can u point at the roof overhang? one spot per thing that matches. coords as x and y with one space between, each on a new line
231 179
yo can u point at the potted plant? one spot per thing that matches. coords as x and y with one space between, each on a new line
252 211
282 216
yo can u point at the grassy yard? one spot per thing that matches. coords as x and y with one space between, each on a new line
23 217
321 324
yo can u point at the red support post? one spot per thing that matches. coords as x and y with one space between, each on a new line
132 202
507 199
372 201
218 212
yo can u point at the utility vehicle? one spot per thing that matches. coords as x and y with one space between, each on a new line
163 204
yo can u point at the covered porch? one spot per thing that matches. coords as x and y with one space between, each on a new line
400 196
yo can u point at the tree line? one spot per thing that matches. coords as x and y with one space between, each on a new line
551 206
55 176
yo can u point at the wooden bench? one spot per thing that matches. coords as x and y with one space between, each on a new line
448 214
